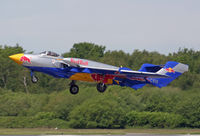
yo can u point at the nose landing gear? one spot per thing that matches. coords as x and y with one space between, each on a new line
34 78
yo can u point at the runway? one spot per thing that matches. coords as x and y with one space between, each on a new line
113 135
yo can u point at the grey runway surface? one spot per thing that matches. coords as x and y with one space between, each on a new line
111 135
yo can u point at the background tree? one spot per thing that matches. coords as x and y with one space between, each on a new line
86 51
9 71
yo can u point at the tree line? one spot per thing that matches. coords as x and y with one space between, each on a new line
49 103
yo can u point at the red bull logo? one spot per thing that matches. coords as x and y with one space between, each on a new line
102 78
170 70
81 62
25 59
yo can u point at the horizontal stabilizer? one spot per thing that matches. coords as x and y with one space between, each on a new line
150 67
172 69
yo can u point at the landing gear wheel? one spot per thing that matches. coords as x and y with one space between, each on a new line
101 87
34 79
74 89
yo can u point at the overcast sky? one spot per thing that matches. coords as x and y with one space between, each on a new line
154 25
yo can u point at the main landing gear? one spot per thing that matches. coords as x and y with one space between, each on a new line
101 87
73 88
34 78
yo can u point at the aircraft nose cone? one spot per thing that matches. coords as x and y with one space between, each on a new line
17 57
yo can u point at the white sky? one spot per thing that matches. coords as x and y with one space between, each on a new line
154 25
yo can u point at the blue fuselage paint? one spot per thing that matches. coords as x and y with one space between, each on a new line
69 71
55 72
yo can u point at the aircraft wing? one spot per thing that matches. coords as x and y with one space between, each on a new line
143 74
124 72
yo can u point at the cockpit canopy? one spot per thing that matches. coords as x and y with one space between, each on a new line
50 53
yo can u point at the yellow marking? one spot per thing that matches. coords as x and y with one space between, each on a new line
59 59
110 81
87 77
16 58
171 70
117 82
82 77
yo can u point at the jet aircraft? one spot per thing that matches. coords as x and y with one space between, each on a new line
103 74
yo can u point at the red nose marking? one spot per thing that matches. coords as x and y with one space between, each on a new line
25 59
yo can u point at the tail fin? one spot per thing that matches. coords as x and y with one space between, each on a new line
173 70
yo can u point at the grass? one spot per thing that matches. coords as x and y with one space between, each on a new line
40 131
